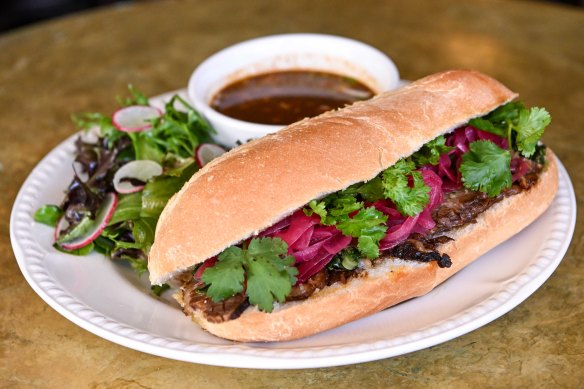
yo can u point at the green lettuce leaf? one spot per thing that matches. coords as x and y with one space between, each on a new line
48 214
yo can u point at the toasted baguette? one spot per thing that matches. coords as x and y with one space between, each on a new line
255 185
394 280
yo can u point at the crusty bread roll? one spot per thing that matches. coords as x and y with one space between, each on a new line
394 280
253 186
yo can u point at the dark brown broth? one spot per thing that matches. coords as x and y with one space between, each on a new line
286 97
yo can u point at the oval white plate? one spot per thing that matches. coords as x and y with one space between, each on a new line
108 300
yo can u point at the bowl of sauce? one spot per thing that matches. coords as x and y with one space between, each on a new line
259 86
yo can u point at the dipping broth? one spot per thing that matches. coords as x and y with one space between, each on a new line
285 97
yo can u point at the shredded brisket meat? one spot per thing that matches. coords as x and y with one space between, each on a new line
196 300
422 249
458 209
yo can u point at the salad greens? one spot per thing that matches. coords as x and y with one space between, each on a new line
48 214
170 141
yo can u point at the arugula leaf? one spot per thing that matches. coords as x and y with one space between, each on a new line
138 98
85 250
408 200
270 273
530 128
48 214
89 120
430 153
80 229
145 148
143 232
486 167
158 190
128 208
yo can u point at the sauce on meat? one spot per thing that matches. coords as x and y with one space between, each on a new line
285 97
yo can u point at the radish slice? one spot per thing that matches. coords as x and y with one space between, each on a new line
141 170
61 225
103 216
206 152
135 118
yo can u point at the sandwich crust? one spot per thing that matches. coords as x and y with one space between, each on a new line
253 186
394 280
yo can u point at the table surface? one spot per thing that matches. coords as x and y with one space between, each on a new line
80 63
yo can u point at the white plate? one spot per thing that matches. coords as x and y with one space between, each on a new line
108 300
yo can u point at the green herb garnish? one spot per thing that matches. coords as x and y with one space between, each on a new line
269 271
486 168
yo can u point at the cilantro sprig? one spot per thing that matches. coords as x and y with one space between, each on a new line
430 153
400 183
521 127
486 168
263 270
349 215
409 200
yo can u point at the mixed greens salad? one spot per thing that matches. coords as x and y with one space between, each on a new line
123 177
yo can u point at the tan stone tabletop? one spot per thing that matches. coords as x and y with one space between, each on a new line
80 63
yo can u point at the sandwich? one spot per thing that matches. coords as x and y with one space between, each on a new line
340 216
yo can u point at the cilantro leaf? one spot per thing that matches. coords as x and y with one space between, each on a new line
318 207
430 153
364 222
486 125
347 259
486 167
225 279
408 200
269 271
371 190
343 204
530 128
368 226
334 208
521 126
368 246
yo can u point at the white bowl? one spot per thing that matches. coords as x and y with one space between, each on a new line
283 52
